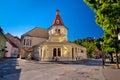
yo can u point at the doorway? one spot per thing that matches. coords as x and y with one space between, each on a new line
72 53
57 52
54 52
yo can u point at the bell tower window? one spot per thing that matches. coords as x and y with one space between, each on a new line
59 31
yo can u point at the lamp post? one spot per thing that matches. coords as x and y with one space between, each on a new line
117 62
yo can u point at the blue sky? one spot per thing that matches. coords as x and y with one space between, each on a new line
19 16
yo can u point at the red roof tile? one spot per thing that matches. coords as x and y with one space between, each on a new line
58 19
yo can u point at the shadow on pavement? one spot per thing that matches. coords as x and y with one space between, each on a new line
87 62
8 69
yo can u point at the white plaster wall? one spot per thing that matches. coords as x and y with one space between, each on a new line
9 48
12 51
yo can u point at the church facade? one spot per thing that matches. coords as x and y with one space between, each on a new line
51 44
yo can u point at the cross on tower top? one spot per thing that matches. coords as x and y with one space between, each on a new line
57 12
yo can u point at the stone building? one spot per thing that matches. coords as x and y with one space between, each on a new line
51 44
32 38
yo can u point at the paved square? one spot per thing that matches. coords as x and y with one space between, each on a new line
36 70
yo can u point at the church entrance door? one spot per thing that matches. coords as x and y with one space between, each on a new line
72 53
56 53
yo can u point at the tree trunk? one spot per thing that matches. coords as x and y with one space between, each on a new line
117 62
111 58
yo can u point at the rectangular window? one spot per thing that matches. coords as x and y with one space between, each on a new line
24 42
27 42
30 42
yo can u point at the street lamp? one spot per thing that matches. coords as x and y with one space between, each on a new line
117 62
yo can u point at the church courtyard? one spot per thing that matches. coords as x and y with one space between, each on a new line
21 69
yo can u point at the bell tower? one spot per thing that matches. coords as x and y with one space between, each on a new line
58 32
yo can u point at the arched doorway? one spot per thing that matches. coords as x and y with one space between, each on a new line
57 52
54 52
72 53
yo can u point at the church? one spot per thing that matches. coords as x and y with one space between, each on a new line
51 44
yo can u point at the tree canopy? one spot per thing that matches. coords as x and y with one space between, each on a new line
107 16
91 44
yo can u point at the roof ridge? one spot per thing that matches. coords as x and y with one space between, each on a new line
37 32
34 29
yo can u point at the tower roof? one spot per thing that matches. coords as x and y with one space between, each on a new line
58 20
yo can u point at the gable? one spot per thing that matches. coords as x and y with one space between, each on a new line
14 40
12 44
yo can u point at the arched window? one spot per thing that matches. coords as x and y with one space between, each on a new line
82 51
59 52
59 31
72 53
54 52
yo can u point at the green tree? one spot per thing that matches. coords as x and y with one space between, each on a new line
107 16
90 45
78 41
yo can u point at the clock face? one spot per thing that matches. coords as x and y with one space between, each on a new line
57 21
57 30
